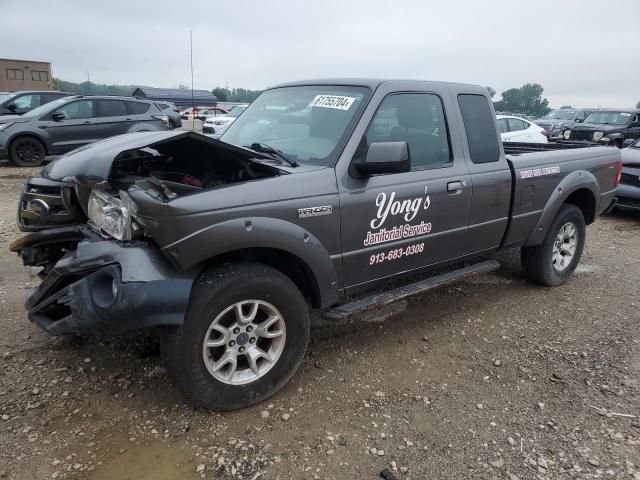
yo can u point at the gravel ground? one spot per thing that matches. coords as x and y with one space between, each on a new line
491 378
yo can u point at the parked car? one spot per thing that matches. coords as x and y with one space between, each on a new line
628 192
19 103
611 126
553 121
172 112
517 129
71 122
221 123
228 244
202 112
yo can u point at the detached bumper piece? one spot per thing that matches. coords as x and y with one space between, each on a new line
100 304
107 288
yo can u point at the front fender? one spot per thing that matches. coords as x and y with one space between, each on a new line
576 180
259 232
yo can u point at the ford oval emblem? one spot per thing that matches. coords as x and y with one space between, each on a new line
39 207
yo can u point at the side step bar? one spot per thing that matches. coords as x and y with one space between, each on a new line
343 311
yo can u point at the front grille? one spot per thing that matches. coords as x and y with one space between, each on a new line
56 205
581 135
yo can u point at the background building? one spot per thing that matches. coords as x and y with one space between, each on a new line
182 98
18 75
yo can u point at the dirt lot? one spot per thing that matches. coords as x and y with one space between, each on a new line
492 378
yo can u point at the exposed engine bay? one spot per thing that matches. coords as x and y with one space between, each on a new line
166 172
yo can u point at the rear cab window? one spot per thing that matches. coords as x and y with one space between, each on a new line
479 126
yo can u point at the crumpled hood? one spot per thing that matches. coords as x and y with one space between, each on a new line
91 164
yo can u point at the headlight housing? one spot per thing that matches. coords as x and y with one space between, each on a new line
111 215
597 136
566 134
220 122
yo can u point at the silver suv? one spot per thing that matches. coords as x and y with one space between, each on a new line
71 122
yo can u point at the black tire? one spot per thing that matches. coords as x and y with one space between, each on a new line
537 261
215 290
27 151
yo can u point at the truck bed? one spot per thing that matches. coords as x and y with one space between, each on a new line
516 148
540 178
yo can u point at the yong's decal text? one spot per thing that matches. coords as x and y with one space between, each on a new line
539 172
407 209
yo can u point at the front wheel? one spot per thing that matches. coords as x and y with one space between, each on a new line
553 261
26 152
244 335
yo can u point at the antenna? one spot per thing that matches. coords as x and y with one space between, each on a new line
193 107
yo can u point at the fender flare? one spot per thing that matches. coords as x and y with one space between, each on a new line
576 180
259 232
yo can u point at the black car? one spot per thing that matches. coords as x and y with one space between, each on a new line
19 103
70 122
628 192
553 121
610 126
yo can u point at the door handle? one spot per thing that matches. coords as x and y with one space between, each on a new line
87 122
455 187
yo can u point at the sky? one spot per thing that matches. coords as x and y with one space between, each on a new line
583 52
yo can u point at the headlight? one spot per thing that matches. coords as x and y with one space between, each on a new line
110 215
566 134
5 125
597 136
220 122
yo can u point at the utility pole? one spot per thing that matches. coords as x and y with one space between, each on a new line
88 82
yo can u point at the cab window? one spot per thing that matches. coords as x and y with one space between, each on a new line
415 118
480 128
27 101
77 110
516 125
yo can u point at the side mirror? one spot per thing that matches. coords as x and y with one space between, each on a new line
57 116
579 120
627 142
385 157
12 106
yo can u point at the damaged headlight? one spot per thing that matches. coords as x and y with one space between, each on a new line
597 136
111 215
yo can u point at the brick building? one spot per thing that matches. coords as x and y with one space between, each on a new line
16 75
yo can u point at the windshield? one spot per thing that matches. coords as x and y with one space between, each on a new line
609 118
46 108
5 96
308 124
562 114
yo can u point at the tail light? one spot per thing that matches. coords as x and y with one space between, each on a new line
618 173
163 118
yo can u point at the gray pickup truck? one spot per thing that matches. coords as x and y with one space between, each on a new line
321 193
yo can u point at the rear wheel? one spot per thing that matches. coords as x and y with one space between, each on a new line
553 261
245 334
26 152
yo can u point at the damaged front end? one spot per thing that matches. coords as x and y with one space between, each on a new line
101 287
108 276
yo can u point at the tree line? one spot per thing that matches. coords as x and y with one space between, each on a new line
526 100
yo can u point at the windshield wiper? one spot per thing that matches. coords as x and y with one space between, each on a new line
264 148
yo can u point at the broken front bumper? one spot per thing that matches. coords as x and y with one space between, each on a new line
105 287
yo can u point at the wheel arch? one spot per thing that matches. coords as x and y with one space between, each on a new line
37 137
579 188
281 244
282 260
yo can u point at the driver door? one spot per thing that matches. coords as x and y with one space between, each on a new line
395 223
77 128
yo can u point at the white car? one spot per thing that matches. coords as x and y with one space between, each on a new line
516 129
220 123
